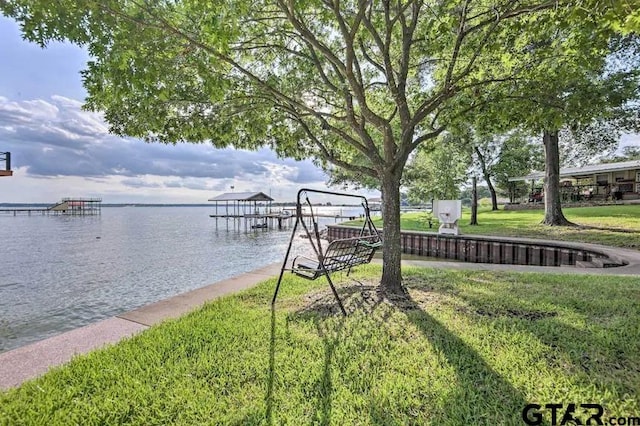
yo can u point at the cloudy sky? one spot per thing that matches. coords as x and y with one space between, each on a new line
59 151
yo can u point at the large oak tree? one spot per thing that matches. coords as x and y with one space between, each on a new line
359 84
585 79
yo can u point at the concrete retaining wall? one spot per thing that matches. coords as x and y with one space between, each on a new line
481 249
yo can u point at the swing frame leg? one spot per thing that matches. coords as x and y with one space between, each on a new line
335 294
275 293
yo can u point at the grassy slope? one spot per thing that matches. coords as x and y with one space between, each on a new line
526 224
469 348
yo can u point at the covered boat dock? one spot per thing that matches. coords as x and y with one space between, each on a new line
251 210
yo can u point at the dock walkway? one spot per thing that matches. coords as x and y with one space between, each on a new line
16 212
269 220
67 206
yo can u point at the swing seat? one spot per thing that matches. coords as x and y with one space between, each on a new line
340 254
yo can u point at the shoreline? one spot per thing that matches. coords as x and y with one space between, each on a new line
35 359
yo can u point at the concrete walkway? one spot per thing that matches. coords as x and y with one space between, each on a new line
35 359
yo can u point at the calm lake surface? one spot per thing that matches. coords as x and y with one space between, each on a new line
58 273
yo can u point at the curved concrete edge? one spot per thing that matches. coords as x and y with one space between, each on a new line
514 268
628 258
33 360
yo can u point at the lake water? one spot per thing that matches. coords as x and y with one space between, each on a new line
58 273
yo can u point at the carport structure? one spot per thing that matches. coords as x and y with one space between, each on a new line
593 183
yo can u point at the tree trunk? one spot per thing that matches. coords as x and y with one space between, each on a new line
552 208
494 197
474 202
487 178
391 273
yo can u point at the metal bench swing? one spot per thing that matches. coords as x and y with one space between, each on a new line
339 255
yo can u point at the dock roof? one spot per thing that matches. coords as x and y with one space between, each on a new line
242 196
585 170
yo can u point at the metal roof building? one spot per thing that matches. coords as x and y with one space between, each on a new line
242 196
620 181
5 157
586 171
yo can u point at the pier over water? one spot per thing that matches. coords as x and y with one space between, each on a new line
66 207
251 210
254 210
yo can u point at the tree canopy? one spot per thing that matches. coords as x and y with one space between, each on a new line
357 84
585 80
439 171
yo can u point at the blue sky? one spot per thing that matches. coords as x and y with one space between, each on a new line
59 151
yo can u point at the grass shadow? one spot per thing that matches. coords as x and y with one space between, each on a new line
322 390
608 229
355 296
272 365
481 396
596 347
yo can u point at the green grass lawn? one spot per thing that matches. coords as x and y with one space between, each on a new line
466 348
619 225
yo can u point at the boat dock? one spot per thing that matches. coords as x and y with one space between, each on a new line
250 210
66 207
256 220
26 211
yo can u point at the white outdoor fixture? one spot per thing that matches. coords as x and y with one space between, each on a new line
448 213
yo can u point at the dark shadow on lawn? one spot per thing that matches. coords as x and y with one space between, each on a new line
608 229
482 396
318 311
272 362
323 388
356 296
599 355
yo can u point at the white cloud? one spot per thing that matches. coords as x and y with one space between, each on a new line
630 140
59 150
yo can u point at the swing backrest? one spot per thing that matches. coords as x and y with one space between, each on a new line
348 252
339 255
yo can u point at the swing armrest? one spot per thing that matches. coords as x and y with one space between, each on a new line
307 263
373 245
330 263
